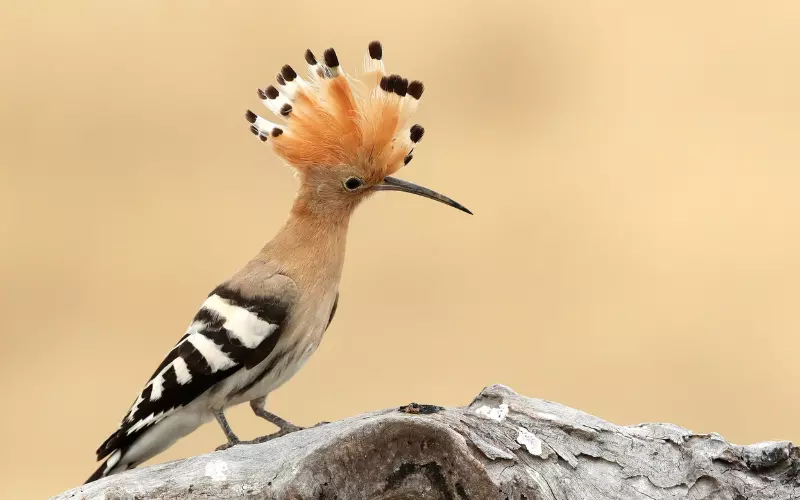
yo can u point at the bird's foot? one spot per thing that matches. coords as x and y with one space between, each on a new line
289 428
229 444
286 429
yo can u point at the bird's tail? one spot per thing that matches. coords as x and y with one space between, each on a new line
100 472
107 467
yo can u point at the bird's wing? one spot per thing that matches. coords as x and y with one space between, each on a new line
233 329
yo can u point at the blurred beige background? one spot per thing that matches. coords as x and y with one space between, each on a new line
633 168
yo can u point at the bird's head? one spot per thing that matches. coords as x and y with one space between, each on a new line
345 136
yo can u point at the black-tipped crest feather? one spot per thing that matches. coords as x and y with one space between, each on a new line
272 92
416 133
401 87
415 89
376 50
288 73
331 59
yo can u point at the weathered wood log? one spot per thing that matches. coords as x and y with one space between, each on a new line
501 446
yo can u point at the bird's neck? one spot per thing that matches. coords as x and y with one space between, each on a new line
310 246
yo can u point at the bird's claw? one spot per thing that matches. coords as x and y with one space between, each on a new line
282 432
287 429
227 445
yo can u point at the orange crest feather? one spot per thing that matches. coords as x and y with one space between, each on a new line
335 119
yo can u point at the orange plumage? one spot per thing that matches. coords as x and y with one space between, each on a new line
335 119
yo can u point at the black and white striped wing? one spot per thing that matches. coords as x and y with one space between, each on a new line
229 332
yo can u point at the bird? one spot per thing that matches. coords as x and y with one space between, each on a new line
344 136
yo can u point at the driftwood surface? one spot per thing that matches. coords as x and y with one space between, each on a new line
501 446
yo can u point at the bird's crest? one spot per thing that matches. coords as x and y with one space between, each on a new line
332 118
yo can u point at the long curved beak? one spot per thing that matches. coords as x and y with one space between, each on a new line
394 184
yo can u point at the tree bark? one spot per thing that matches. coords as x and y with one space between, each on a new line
501 446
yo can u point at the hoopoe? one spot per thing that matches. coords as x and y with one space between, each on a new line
344 136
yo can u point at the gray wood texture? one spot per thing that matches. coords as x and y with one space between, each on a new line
501 446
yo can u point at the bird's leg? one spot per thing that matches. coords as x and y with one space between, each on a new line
285 426
226 428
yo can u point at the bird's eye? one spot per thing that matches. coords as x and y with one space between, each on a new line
353 183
